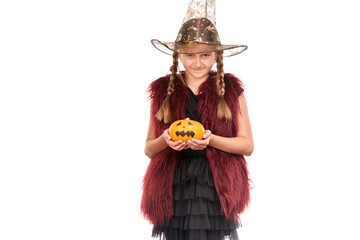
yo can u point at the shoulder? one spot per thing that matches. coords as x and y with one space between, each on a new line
233 84
158 86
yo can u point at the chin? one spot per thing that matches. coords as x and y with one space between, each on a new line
199 74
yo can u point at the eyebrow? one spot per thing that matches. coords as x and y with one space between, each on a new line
196 53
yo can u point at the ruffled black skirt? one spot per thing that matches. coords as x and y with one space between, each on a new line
197 213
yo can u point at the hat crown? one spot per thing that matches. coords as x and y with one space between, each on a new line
198 30
199 24
201 9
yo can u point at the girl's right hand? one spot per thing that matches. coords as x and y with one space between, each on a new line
178 145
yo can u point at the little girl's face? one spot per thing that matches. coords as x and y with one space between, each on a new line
198 65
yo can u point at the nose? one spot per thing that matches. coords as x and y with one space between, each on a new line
197 60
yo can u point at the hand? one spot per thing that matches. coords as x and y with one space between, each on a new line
196 144
178 145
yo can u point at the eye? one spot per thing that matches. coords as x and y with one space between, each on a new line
189 55
205 55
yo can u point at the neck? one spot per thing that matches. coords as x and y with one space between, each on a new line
194 83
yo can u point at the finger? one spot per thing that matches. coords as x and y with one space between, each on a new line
176 144
207 134
203 142
197 143
195 146
190 143
180 146
167 134
184 146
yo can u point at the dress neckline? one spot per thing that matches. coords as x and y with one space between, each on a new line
191 91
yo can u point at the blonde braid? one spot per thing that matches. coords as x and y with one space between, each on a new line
223 110
164 113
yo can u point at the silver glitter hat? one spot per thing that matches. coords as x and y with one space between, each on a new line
198 27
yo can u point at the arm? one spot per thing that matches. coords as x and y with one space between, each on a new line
241 144
154 144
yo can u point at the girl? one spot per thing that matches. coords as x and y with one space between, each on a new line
196 189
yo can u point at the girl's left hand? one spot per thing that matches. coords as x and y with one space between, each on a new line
196 144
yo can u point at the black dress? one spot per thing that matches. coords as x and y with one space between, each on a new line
197 213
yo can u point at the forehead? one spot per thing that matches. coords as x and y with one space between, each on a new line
196 48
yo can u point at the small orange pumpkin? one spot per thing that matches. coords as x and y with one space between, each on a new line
186 129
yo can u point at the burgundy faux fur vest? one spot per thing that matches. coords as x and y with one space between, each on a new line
229 171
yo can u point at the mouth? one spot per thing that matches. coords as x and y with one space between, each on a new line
187 133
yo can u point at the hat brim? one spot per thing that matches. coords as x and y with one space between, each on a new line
228 50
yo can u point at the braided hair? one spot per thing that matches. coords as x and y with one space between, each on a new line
164 113
223 110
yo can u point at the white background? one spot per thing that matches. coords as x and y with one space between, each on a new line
74 114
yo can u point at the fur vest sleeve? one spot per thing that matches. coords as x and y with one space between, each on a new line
229 171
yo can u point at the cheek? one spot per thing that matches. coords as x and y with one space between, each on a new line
210 63
186 64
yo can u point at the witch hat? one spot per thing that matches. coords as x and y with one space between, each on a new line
198 27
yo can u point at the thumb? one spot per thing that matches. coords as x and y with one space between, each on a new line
207 134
